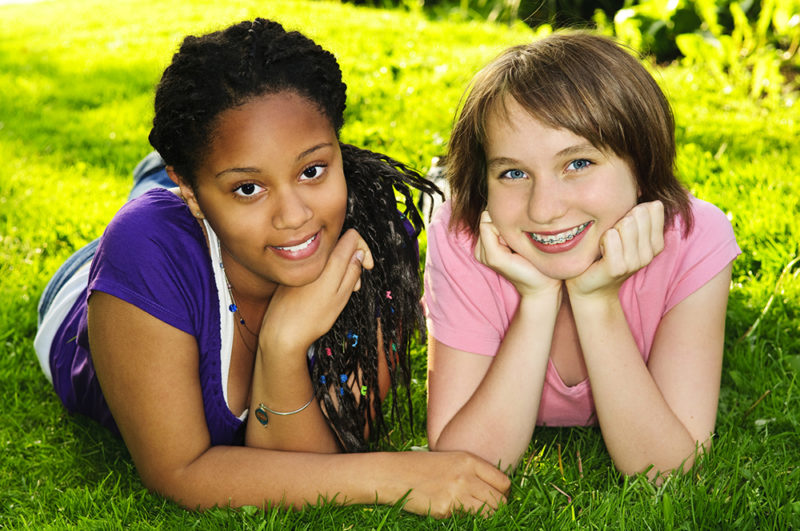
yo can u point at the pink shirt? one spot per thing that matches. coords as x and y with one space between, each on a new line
469 306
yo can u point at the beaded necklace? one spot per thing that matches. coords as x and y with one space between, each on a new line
233 307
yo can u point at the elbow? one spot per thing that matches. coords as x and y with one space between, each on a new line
177 488
680 464
507 463
434 432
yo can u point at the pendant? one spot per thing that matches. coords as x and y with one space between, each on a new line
262 417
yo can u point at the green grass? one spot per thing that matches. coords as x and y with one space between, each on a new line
76 81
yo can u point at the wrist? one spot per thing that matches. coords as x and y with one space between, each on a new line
283 348
281 382
543 295
596 304
598 295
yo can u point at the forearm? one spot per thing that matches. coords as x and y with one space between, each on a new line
638 426
497 421
429 482
282 383
238 476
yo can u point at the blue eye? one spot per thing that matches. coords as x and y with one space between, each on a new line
313 172
579 164
514 174
247 189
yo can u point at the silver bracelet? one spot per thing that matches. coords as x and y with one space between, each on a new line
263 418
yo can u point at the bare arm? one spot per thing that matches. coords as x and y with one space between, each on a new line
295 318
660 413
153 391
488 406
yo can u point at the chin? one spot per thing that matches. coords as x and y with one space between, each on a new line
296 279
565 271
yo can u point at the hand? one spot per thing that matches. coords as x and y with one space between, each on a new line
626 248
492 251
302 314
443 483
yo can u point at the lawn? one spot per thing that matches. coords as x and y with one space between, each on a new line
76 83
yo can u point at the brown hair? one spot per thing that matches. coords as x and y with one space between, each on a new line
577 81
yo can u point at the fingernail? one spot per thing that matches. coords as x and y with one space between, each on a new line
359 255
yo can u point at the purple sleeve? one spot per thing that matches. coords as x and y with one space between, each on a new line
153 255
168 283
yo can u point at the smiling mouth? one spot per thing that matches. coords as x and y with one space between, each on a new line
561 237
299 247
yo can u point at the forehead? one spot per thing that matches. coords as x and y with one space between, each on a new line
269 130
508 119
269 116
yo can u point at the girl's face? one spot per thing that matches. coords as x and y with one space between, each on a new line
552 194
273 189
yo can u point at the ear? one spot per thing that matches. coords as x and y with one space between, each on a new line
186 192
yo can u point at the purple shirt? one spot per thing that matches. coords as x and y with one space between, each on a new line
153 255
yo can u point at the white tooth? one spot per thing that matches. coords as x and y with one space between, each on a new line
559 238
299 246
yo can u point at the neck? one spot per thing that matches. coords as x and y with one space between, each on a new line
248 288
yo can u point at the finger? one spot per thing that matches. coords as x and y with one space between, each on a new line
492 476
480 508
656 210
367 261
628 231
484 232
613 258
491 499
478 251
351 279
343 255
492 246
644 235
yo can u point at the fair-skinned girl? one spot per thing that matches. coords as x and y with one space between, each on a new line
571 280
241 330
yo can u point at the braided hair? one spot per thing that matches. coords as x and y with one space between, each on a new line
221 70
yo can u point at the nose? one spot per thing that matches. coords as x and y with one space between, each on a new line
546 201
292 210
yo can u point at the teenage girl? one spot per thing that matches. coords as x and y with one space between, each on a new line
571 280
241 330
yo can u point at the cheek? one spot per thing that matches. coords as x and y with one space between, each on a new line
506 207
334 201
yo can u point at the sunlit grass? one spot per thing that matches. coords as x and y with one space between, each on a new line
76 82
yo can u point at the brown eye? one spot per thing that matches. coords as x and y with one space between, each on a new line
313 172
247 189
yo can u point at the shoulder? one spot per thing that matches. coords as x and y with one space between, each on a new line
689 261
450 256
468 305
157 218
708 218
442 236
154 255
712 234
156 206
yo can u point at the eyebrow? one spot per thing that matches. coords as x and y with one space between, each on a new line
566 152
301 156
577 149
